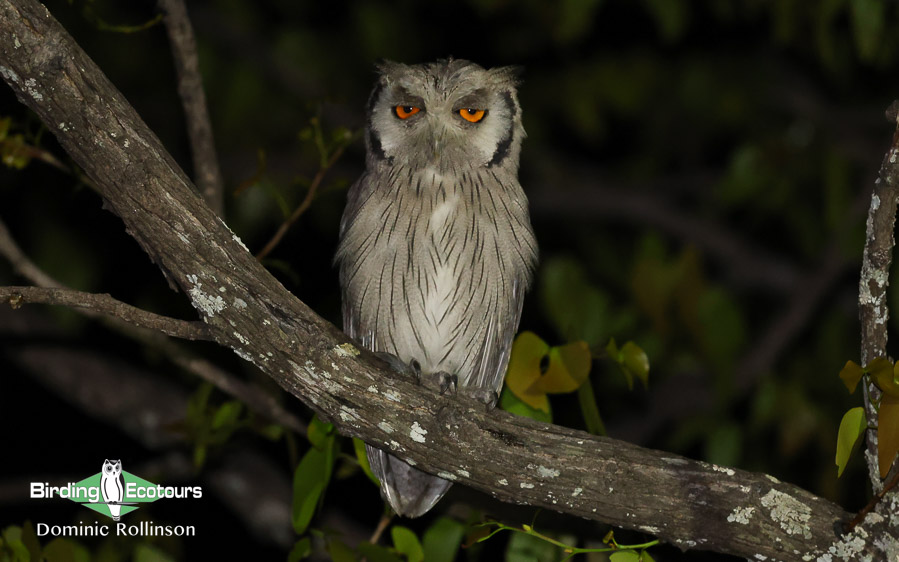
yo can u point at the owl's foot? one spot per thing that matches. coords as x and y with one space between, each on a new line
440 381
486 396
410 370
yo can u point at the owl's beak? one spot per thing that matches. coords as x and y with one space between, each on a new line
439 143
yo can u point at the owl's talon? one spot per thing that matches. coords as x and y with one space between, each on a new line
410 370
486 396
440 381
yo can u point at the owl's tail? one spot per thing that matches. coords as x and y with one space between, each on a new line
410 492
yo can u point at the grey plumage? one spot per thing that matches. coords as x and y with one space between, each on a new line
436 247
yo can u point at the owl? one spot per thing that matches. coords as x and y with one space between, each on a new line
436 247
112 486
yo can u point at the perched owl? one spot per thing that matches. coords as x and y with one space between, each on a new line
436 248
112 486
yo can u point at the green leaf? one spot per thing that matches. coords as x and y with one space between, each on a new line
635 362
271 431
340 552
442 539
313 473
528 548
852 428
14 152
150 553
30 540
624 556
574 20
631 360
883 373
301 549
512 404
196 406
199 455
67 550
362 457
867 26
319 433
590 409
724 444
406 543
723 328
887 433
645 556
377 553
851 374
305 500
671 17
227 414
12 537
576 309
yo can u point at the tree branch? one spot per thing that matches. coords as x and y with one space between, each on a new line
692 504
586 198
875 277
190 89
256 399
105 304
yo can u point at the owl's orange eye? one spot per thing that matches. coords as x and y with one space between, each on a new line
471 114
406 111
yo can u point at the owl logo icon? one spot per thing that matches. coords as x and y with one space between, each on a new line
112 486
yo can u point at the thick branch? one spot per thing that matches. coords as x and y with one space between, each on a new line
875 277
105 304
689 503
190 88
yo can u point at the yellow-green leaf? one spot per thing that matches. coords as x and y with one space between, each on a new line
887 433
319 432
406 543
851 374
515 405
852 428
569 366
624 556
362 457
882 372
528 351
635 360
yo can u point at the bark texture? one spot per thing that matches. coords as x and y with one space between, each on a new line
685 502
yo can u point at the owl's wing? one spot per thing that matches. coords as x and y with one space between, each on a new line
357 195
120 484
493 355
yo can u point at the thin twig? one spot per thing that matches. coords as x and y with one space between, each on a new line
805 298
190 89
860 516
304 205
256 399
379 530
587 198
104 304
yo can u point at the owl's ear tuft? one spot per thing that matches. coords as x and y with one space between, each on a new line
385 67
511 74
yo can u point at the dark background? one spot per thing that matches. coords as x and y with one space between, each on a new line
698 172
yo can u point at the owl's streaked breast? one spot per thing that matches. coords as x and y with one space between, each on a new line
438 258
